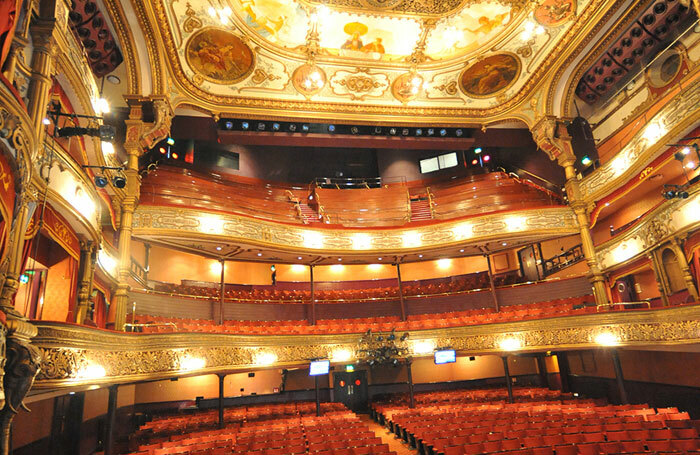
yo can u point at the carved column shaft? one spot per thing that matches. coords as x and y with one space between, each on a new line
685 268
86 273
40 84
659 278
15 254
552 136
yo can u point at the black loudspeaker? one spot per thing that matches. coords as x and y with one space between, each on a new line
251 375
583 144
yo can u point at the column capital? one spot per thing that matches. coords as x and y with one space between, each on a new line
552 136
141 135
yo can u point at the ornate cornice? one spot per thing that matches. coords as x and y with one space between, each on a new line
170 221
76 355
680 113
672 218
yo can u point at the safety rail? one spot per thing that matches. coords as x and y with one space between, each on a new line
347 183
139 273
610 305
431 201
130 326
563 260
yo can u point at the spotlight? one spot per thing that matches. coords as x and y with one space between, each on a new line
680 156
419 131
292 127
392 131
162 150
305 128
354 130
377 130
585 160
431 131
478 150
487 158
100 181
261 126
458 132
275 127
174 156
119 181
46 121
404 131
685 151
443 132
104 132
245 125
475 162
170 141
331 128
229 125
670 194
683 194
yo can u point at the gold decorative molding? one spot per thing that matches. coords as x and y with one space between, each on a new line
76 356
681 112
672 218
170 221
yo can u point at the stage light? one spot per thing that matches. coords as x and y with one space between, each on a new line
431 131
292 127
162 150
174 156
46 121
487 158
419 132
670 194
685 151
261 126
404 131
478 150
101 106
305 128
119 181
107 148
683 194
170 141
475 162
245 125
443 132
458 133
354 130
24 279
331 128
100 181
229 125
392 131
104 132
275 126
585 160
377 130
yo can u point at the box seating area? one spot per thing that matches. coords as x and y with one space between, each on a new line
386 206
540 423
277 429
554 308
463 284
486 193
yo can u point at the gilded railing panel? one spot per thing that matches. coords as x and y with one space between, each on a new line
670 218
76 355
534 223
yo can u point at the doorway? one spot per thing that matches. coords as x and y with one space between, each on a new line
350 388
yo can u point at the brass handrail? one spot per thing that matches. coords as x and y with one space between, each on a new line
610 304
150 324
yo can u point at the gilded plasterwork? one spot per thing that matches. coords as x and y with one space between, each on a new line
679 113
155 220
673 217
504 26
75 355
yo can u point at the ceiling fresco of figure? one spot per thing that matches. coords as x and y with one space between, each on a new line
451 57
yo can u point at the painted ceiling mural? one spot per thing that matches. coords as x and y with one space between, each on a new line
455 54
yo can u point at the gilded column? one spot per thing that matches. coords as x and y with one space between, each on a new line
552 137
85 276
685 268
659 278
41 31
140 136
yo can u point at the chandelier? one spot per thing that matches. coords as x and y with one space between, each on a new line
378 349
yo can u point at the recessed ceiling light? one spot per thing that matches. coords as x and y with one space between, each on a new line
259 254
504 243
420 255
218 248
299 258
340 259
113 79
379 259
462 250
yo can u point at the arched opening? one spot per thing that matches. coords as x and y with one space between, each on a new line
673 271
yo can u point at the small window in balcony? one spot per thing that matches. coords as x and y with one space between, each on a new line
439 162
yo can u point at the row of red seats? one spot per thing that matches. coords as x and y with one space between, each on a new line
462 284
458 426
557 308
337 431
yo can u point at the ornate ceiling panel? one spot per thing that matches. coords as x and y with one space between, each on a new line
398 58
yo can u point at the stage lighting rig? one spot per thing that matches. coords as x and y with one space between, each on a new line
119 181
106 133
